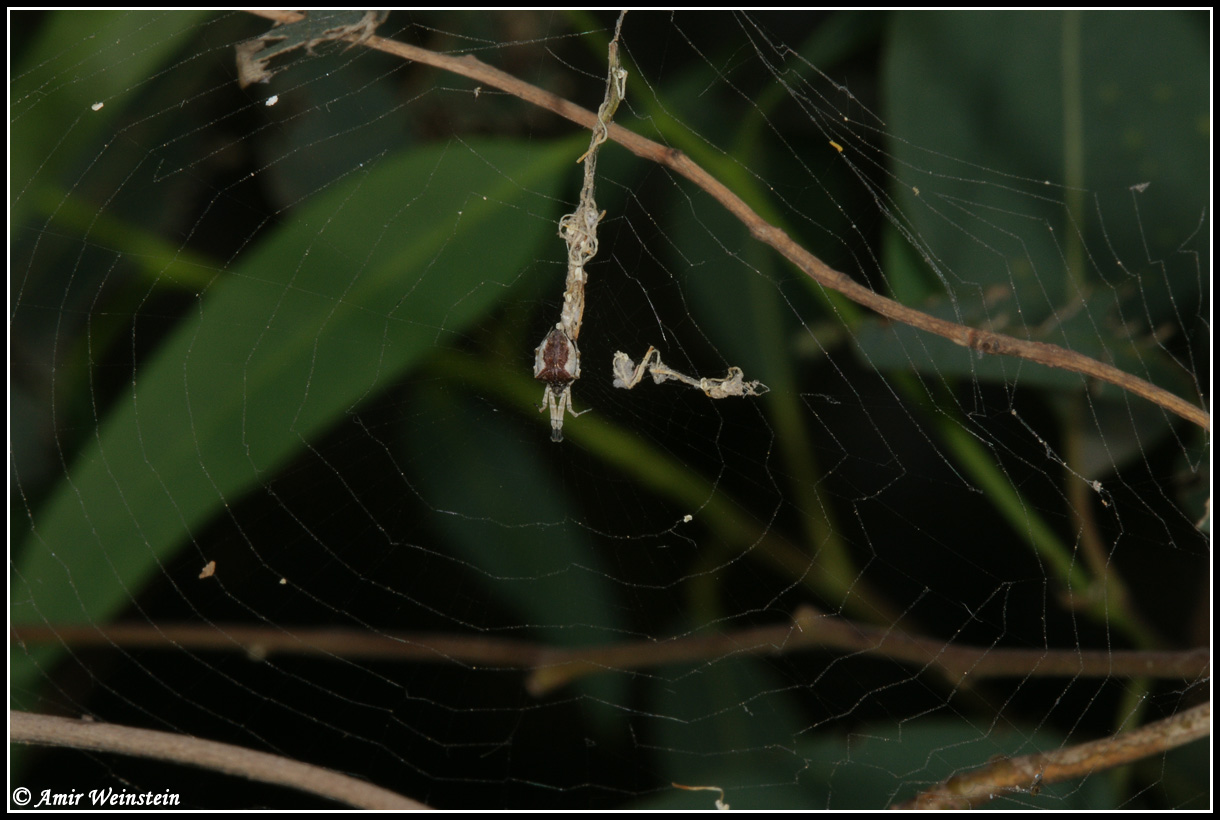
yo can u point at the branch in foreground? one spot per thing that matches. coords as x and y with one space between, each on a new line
553 667
983 341
1024 774
48 730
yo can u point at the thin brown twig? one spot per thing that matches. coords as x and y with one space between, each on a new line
1024 774
49 730
554 667
983 341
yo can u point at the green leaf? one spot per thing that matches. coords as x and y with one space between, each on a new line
1102 102
1101 263
730 723
509 520
881 764
354 289
53 120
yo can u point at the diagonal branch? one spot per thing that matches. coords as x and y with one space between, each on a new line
1030 773
983 341
48 730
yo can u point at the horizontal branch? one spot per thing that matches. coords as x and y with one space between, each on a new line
48 730
983 341
554 667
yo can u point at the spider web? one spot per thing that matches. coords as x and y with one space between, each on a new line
278 477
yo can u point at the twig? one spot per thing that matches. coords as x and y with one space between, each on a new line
720 804
983 341
1023 774
48 730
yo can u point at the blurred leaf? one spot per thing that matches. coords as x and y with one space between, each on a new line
494 491
881 764
728 723
114 56
1143 83
508 518
352 290
1039 266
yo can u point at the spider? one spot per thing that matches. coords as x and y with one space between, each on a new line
557 363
